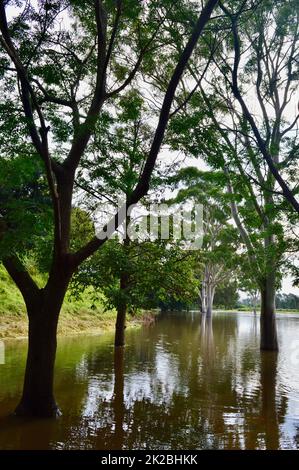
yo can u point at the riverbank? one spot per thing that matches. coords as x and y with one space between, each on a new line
78 316
248 310
83 322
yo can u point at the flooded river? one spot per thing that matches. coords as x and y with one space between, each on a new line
180 384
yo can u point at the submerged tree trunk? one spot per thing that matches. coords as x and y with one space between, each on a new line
268 319
210 300
38 395
120 325
203 299
207 292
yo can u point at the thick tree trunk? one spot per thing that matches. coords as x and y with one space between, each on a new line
38 395
268 320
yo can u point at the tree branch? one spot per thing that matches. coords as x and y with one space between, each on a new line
136 67
21 277
27 94
85 130
144 180
261 143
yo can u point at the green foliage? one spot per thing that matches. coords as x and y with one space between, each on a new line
287 302
155 272
57 42
227 296
25 205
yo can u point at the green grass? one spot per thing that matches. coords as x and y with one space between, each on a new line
250 310
11 301
77 315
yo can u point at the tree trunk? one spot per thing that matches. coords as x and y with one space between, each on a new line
38 395
268 320
120 326
210 300
203 298
38 398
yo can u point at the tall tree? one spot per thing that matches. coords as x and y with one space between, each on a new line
61 62
108 175
247 138
155 272
266 48
221 135
217 258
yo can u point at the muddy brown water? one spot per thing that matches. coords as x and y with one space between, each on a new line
181 384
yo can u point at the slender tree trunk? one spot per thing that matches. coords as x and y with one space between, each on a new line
203 298
268 319
210 300
205 291
120 325
38 395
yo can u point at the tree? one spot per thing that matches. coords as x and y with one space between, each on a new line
222 134
217 258
130 273
155 272
58 79
270 38
227 296
287 301
107 175
250 287
255 211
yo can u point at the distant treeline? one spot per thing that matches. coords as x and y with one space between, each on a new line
283 302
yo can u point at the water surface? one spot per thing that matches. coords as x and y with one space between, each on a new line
181 384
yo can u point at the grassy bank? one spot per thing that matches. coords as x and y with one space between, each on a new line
77 316
250 310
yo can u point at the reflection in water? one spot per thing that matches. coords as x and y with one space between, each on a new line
207 338
118 396
269 411
186 382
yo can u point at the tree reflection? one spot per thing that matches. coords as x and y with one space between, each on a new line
118 398
186 382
